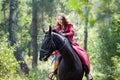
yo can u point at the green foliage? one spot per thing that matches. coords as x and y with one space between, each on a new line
41 71
83 7
22 28
104 15
8 63
103 38
116 58
109 38
116 67
10 70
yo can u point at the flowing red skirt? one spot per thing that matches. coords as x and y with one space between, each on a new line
82 54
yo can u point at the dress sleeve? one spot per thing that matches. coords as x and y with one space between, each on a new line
70 31
58 28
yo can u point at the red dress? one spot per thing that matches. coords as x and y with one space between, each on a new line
69 30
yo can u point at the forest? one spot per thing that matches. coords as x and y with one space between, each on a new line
97 30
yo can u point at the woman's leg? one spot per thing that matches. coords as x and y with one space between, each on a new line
56 65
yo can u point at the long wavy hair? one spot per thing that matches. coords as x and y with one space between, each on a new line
65 21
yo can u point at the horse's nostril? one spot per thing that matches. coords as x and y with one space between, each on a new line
45 59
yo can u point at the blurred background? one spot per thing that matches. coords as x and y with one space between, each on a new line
97 29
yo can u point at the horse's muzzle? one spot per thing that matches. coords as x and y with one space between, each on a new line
43 57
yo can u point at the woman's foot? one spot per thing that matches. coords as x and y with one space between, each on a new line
50 76
89 77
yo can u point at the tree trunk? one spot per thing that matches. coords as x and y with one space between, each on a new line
34 34
12 40
4 13
85 27
11 23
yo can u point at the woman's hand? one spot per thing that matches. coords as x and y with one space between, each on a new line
63 34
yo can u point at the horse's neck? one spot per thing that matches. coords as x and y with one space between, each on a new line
68 53
58 40
65 49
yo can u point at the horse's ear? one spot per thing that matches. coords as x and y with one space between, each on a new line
50 29
43 30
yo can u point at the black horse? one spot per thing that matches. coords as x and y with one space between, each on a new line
70 67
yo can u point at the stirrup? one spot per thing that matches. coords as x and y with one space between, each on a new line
51 76
91 77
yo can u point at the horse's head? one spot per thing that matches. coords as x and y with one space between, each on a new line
47 46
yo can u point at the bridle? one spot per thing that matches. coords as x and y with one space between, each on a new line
53 45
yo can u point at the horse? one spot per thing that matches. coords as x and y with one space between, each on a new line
70 66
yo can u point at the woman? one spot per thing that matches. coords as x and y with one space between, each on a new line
66 29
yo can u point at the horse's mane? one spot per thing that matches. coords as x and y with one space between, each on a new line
55 31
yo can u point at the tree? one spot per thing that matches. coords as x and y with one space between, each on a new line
12 40
4 19
86 25
102 12
105 14
34 33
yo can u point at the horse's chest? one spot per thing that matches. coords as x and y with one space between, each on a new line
68 72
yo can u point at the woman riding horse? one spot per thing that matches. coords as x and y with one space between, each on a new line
70 66
67 30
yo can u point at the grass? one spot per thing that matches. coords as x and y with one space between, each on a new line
42 70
